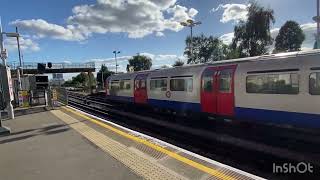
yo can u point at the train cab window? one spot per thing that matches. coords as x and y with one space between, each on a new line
181 85
158 85
314 83
273 83
225 81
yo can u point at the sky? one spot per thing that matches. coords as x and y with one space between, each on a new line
80 31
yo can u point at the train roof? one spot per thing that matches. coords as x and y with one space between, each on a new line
230 61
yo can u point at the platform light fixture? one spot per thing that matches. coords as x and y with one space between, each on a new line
190 23
115 57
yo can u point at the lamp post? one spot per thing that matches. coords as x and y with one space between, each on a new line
19 51
115 57
191 23
317 20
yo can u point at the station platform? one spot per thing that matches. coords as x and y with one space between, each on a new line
70 144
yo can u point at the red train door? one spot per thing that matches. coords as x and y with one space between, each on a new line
225 90
217 90
140 89
208 90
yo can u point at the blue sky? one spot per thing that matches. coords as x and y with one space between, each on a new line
89 30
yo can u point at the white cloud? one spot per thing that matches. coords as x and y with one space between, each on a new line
232 12
137 18
227 38
159 34
309 30
41 28
26 44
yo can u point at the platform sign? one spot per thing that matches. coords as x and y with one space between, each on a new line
23 98
54 97
10 84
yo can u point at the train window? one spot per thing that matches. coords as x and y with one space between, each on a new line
158 85
189 85
207 81
137 84
121 85
181 84
314 83
142 83
125 85
114 87
273 83
225 81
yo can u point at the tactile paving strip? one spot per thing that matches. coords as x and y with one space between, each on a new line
140 165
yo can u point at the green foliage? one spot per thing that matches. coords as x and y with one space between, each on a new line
205 49
232 53
81 80
140 62
105 72
178 63
252 37
290 37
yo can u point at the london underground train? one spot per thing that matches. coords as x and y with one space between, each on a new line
281 89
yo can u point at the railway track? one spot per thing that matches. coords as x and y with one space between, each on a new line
211 140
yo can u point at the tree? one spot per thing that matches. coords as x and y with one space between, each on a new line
106 73
290 37
252 37
232 53
178 63
140 62
205 49
81 80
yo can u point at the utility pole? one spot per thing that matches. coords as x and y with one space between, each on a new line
102 80
317 20
191 23
20 68
115 57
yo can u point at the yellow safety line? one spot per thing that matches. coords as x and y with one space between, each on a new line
174 155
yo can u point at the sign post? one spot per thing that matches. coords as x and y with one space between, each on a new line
23 98
3 130
54 98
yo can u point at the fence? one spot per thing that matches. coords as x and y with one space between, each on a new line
61 95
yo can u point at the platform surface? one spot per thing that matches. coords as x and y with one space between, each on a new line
67 144
42 147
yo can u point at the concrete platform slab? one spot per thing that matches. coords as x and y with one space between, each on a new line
43 147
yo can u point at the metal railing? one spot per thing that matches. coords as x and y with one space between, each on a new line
33 65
